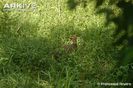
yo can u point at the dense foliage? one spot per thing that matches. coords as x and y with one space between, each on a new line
123 19
28 39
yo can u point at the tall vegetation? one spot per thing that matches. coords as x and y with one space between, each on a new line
28 40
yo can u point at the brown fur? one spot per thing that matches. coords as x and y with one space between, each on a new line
67 48
73 46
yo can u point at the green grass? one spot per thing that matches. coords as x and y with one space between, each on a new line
27 40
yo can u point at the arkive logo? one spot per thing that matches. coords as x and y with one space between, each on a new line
19 6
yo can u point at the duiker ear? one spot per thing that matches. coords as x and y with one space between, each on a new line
74 36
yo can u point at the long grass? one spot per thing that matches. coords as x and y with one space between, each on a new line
27 40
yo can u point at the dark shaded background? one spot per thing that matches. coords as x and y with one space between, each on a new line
124 26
